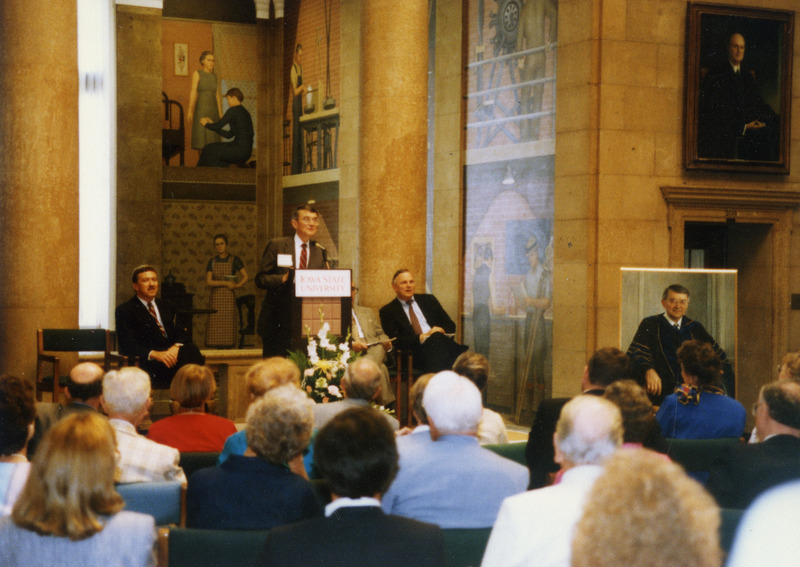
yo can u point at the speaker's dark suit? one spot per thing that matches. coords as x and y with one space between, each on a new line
743 472
438 352
275 317
355 537
138 334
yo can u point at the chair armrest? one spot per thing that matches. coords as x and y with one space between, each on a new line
120 359
163 546
47 358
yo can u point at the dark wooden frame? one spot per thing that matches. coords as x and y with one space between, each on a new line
707 27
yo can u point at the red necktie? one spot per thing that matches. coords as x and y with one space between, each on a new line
413 318
151 308
304 257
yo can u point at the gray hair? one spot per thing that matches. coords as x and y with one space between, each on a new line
279 424
589 430
362 380
453 403
126 390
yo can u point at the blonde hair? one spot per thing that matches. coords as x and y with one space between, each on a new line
279 424
193 385
637 487
71 482
271 373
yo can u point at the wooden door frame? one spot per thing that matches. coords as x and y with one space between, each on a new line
720 205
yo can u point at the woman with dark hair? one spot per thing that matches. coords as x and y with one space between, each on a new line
69 513
192 429
17 415
224 273
223 154
204 100
699 408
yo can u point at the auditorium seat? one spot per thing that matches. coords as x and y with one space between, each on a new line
465 547
513 451
191 462
697 455
187 547
164 500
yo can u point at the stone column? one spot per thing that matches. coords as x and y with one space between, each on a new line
392 145
38 176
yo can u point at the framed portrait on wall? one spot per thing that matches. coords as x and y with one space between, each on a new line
737 111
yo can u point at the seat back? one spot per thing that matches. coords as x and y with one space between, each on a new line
465 547
191 462
729 523
74 340
697 455
513 451
188 547
162 500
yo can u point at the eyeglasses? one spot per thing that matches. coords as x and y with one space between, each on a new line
309 220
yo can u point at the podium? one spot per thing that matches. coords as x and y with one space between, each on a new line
320 296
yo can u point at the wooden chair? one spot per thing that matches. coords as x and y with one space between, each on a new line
70 340
246 306
186 547
403 373
165 500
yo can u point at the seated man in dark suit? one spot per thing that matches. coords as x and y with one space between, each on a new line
146 330
357 455
421 325
743 472
606 365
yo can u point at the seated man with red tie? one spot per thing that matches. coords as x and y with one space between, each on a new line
420 324
275 274
146 330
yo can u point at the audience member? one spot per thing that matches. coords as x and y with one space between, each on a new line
745 471
421 325
637 495
146 330
422 432
789 369
769 532
259 379
699 408
361 385
638 413
69 512
192 429
356 454
452 482
604 367
257 490
126 399
17 414
535 528
475 366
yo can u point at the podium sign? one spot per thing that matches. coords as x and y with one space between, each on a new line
320 295
322 283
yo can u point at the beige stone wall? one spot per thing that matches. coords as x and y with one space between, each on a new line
619 140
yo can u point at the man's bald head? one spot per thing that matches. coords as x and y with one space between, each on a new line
363 380
85 383
588 431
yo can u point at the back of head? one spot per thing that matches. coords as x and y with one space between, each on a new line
453 404
417 391
17 413
356 453
618 527
589 430
791 366
279 424
607 365
71 481
362 380
270 373
192 386
474 366
638 414
126 391
699 359
783 400
85 381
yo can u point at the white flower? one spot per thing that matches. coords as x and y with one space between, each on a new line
323 333
334 391
308 372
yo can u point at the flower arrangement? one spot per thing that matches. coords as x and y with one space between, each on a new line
324 366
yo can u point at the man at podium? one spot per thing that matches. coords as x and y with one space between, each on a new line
276 275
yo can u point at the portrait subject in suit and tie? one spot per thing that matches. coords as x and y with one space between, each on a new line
369 339
276 275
